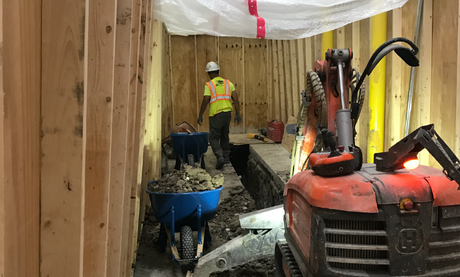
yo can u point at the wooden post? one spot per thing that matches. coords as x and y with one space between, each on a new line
62 104
424 77
131 163
118 156
20 138
100 31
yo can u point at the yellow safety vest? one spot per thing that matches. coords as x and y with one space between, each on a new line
221 97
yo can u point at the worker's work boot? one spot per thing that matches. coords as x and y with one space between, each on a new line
220 163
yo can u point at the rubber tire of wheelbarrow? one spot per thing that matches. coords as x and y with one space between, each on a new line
186 243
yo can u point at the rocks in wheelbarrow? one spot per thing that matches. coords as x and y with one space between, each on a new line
188 179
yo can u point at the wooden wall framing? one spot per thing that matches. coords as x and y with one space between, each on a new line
270 74
73 127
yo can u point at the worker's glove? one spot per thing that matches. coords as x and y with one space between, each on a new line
238 118
200 119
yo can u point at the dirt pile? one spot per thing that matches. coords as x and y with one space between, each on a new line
189 179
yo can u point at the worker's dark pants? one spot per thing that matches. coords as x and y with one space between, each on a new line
219 127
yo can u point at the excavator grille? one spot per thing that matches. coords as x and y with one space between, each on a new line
356 245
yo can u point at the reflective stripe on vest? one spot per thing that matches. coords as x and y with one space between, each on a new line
214 96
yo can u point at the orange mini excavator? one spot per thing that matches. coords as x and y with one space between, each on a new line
346 218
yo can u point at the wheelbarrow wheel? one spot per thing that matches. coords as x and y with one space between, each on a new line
186 242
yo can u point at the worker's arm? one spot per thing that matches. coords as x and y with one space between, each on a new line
204 104
236 103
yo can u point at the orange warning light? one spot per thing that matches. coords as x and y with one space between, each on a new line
411 164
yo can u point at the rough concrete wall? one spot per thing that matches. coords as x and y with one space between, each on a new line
265 187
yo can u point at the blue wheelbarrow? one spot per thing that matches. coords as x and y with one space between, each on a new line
189 148
185 213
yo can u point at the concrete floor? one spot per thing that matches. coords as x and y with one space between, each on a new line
152 263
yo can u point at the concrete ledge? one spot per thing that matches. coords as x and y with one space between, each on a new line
268 171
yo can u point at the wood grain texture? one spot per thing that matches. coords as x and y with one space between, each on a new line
119 139
444 71
288 76
295 56
282 83
131 163
276 87
206 50
100 29
62 137
20 136
2 156
361 43
183 79
423 91
255 65
231 63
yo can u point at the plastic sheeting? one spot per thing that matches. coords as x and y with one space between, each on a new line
271 19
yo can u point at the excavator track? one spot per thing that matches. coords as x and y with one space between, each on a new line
286 266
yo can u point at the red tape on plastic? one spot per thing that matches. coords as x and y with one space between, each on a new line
260 21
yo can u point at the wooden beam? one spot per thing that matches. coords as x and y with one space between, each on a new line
456 148
100 31
281 83
394 95
302 68
139 137
2 155
340 40
361 42
20 136
62 137
423 93
118 155
206 50
444 71
276 87
295 60
131 164
269 81
288 77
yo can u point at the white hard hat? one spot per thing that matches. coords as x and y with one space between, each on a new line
211 66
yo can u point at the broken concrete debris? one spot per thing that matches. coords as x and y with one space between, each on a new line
188 179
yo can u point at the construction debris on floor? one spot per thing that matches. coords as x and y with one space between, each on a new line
188 179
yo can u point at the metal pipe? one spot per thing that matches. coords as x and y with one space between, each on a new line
377 89
412 70
342 89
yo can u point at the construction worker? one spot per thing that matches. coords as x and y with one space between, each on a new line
219 93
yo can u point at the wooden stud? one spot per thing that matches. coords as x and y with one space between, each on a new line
309 49
281 83
206 50
231 63
444 71
340 39
361 41
269 69
456 148
62 112
288 78
99 76
118 187
131 164
302 69
20 136
183 79
394 131
423 93
295 60
138 142
276 86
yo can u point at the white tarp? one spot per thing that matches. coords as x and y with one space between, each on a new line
271 19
